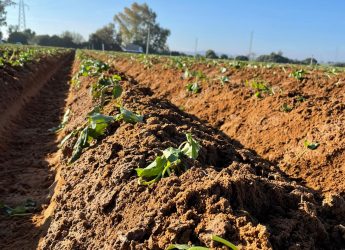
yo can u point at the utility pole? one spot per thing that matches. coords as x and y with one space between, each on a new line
196 47
148 40
250 44
21 15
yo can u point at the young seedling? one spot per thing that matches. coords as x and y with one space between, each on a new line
223 80
260 88
298 74
62 124
95 127
21 210
169 161
193 87
286 108
311 145
106 87
213 237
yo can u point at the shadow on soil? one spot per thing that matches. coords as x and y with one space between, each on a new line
25 170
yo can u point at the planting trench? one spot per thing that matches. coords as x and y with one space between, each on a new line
34 101
98 204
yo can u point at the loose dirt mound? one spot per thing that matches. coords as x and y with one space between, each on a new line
228 191
260 124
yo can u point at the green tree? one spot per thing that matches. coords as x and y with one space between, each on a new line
75 37
224 56
3 5
137 23
23 37
211 54
107 36
242 58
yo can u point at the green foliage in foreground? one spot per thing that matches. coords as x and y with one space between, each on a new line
96 127
169 161
213 237
21 210
193 88
311 145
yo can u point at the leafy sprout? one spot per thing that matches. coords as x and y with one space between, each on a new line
311 145
62 124
169 161
21 210
298 74
286 108
260 88
213 237
95 127
193 87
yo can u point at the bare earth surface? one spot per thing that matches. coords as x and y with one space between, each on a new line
252 184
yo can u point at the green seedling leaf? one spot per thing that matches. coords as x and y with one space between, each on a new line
98 124
82 142
185 247
169 161
223 70
117 91
191 147
298 74
128 116
224 242
62 124
21 210
311 145
193 87
286 108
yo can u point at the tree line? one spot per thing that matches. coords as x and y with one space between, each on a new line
137 25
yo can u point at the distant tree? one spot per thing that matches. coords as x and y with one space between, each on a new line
16 36
3 5
136 22
224 56
75 37
274 58
211 54
242 58
106 36
309 60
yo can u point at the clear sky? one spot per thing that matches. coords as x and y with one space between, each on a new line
299 28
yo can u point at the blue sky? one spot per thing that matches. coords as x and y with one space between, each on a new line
299 28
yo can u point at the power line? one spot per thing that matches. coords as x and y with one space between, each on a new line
21 15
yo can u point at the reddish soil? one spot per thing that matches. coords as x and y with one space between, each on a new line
259 124
27 160
229 191
249 197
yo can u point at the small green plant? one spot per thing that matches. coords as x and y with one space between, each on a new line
193 87
21 210
311 145
222 70
106 87
213 237
95 127
169 161
286 108
260 88
62 124
223 80
298 74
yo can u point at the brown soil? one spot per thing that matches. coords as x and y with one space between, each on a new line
259 124
27 160
229 191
